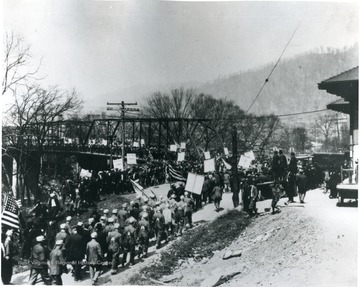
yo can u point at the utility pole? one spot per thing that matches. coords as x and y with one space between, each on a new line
235 180
123 109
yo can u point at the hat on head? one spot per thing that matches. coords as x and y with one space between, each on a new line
62 226
103 218
116 225
132 202
173 196
146 200
144 207
138 196
106 211
186 193
40 238
68 218
52 194
91 220
131 219
152 196
145 215
93 235
110 220
59 242
115 211
80 223
124 205
9 232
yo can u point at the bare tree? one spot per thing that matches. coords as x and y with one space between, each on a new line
326 125
16 63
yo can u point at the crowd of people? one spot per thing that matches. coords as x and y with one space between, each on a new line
106 240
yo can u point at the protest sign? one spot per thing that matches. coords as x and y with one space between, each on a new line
85 173
173 147
250 154
135 144
209 165
226 151
131 158
183 145
207 154
244 162
119 164
181 156
194 183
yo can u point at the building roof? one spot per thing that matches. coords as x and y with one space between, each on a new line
345 85
340 105
349 75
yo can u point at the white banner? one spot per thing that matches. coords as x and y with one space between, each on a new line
226 151
118 163
135 144
250 154
244 161
209 165
227 166
183 145
194 183
131 158
181 156
142 142
173 147
104 142
207 154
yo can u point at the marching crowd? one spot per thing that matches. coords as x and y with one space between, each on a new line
55 244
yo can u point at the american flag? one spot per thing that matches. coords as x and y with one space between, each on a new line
10 215
174 173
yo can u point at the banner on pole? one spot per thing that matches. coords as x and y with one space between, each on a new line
250 154
226 151
173 147
183 145
131 158
207 154
209 165
118 163
244 161
181 156
194 183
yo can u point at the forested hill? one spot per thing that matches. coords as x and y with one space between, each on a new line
292 87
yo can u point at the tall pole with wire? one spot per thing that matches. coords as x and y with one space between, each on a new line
123 109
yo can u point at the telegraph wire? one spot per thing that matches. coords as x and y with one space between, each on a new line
267 79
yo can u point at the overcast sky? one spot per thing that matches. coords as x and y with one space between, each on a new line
105 47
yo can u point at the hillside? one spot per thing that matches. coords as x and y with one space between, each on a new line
292 87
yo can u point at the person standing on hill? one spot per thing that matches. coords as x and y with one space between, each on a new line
217 196
283 165
301 182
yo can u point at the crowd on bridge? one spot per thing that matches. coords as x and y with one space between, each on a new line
52 233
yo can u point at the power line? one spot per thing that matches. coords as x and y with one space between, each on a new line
267 79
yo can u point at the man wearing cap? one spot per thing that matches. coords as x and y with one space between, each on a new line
75 251
67 225
128 241
283 165
106 213
94 258
189 206
301 182
122 216
171 191
62 235
143 234
38 261
110 226
114 215
113 241
159 226
57 262
7 258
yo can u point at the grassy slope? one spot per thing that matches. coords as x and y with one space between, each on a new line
199 243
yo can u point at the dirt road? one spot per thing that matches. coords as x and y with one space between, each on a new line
311 244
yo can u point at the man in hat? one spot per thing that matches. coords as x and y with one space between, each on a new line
122 216
94 257
113 241
301 182
283 165
217 196
128 241
143 234
189 207
159 226
7 258
106 213
67 225
62 235
53 204
75 251
114 215
275 167
57 262
171 191
38 261
110 226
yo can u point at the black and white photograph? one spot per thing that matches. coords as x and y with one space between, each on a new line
179 143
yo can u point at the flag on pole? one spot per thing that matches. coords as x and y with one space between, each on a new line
138 188
10 214
175 173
